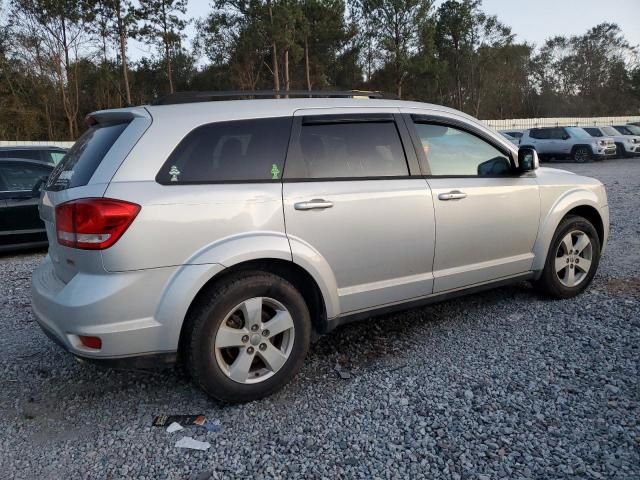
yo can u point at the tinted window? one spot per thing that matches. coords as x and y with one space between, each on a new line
579 132
15 177
540 133
243 150
594 132
79 164
623 130
348 150
26 154
561 134
451 151
515 134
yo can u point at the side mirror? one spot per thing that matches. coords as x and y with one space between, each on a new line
527 159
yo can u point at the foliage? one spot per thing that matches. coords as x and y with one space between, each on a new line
60 59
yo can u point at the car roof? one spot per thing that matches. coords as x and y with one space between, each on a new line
230 109
27 160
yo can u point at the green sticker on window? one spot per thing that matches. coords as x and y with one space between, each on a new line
275 172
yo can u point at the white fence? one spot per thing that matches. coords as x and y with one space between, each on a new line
524 123
12 143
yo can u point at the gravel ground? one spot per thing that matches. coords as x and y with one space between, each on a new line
494 385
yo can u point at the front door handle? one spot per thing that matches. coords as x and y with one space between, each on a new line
316 203
452 195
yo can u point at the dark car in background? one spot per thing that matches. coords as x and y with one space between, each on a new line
44 153
20 183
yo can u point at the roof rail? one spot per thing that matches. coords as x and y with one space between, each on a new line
190 97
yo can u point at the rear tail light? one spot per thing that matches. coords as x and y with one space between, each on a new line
93 223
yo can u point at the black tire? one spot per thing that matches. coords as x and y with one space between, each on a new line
549 284
582 154
207 318
620 151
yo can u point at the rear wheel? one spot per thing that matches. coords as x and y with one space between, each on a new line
249 337
582 155
572 259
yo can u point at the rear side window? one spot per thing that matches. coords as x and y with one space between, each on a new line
236 151
348 150
81 161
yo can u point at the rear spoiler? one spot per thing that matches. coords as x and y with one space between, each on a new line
116 115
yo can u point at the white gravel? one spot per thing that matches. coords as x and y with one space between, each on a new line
498 385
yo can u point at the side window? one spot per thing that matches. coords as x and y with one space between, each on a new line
559 134
541 133
18 177
54 156
348 150
236 151
451 152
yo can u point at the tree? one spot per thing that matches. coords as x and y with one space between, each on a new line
51 34
394 27
162 27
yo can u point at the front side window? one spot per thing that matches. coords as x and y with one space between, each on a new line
21 177
348 150
454 152
594 132
235 151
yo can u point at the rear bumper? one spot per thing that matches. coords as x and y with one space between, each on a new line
119 308
143 361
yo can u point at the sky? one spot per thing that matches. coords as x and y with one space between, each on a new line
531 20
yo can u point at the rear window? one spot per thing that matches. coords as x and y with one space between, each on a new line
235 151
81 161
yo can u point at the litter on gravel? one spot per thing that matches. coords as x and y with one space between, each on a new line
188 442
174 427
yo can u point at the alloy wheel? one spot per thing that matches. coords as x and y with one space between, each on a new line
581 155
254 340
573 258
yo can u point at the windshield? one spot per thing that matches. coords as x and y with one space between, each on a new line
623 129
610 131
578 132
633 129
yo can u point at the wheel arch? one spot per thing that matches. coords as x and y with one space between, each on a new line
580 202
287 269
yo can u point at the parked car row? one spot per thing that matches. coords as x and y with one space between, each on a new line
580 144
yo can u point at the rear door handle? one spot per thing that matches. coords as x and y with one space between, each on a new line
316 203
452 195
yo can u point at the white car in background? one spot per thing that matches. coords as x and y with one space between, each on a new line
567 142
627 145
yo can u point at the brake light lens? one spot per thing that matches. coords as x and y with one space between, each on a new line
93 223
91 342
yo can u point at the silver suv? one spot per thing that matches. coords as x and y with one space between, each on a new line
225 234
568 142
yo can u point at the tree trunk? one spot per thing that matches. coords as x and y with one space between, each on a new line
286 71
167 47
306 63
274 53
123 53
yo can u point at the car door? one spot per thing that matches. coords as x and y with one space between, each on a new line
486 214
21 220
356 199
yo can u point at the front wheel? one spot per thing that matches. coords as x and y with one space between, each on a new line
248 337
572 259
582 155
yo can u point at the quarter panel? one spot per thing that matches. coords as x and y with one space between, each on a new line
184 224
